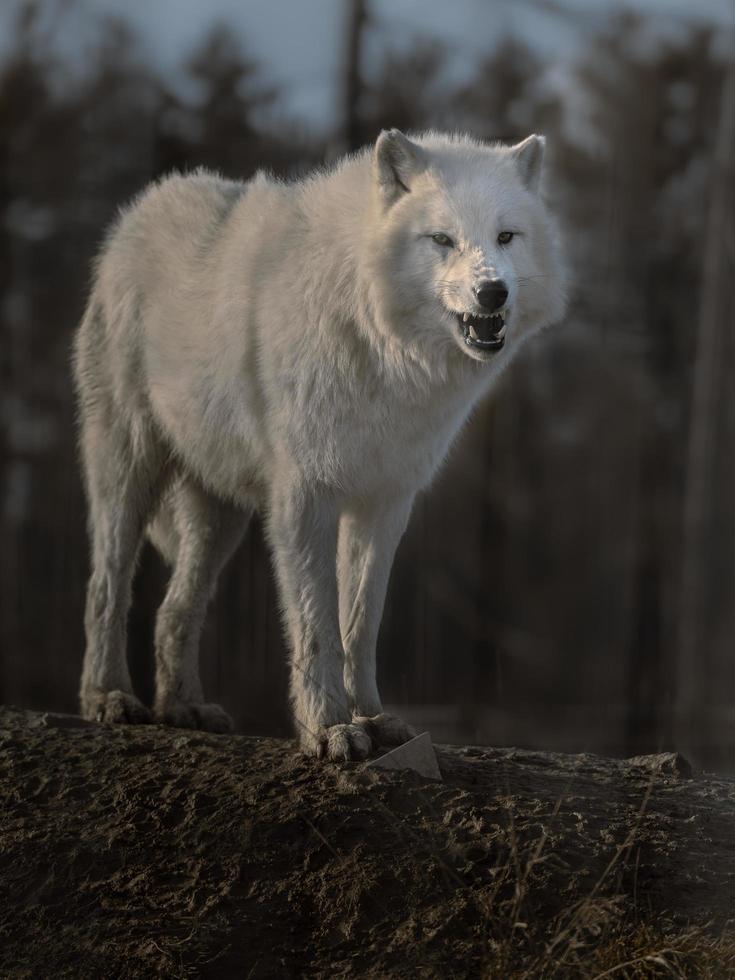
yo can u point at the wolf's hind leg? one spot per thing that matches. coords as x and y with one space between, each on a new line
207 531
123 478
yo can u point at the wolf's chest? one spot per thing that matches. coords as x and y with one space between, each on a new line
384 443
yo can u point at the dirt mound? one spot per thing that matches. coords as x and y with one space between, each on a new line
151 852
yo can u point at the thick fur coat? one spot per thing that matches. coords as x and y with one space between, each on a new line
308 350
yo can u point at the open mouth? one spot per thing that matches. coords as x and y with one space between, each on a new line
483 331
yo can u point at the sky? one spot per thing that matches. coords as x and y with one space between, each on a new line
298 44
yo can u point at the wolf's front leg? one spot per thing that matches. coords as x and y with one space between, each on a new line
303 531
368 537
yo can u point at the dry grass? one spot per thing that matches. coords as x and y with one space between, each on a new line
597 937
148 853
601 935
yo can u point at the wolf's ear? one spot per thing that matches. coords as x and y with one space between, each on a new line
529 158
396 163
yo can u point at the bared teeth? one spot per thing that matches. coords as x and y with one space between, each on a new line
483 316
482 335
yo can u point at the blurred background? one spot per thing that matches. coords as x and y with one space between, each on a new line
569 581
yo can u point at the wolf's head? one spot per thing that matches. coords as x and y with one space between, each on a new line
463 248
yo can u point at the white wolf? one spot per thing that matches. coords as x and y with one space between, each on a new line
309 350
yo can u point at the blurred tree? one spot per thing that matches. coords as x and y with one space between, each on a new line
353 86
709 439
218 129
641 284
503 100
32 127
418 102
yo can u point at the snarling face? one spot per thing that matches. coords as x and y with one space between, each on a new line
468 257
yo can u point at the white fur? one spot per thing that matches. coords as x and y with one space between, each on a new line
292 348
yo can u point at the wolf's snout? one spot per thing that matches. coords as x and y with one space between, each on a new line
491 294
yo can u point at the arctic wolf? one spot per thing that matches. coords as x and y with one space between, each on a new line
308 350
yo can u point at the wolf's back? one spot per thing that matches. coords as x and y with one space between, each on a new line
156 249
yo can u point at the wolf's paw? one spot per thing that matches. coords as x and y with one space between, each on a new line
338 743
205 716
114 707
386 729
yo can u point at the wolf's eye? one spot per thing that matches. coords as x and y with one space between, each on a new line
505 238
441 239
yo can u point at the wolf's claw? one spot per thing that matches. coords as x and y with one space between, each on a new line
385 729
114 707
205 716
338 743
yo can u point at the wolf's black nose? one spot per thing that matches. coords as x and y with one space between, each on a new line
491 294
